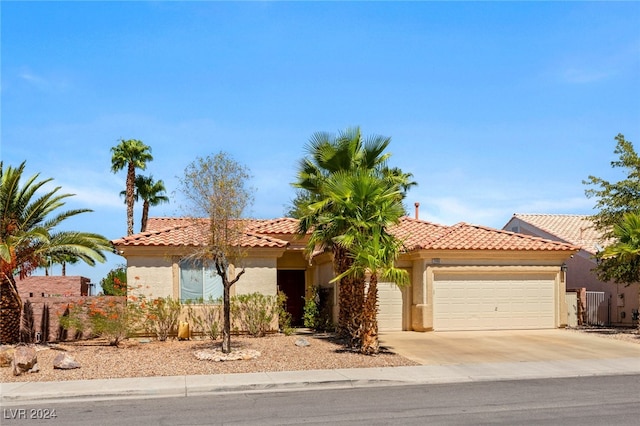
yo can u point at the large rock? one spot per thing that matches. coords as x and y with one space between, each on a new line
64 361
302 342
25 360
6 356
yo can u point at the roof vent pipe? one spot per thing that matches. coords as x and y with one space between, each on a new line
417 205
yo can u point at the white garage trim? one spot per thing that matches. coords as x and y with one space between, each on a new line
493 303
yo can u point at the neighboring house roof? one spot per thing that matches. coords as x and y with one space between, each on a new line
419 234
416 234
574 229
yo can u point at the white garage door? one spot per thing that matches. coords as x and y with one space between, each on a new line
493 304
389 307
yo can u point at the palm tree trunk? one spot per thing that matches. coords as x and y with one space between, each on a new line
145 216
130 187
10 309
370 343
350 300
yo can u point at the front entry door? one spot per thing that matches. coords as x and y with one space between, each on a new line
291 283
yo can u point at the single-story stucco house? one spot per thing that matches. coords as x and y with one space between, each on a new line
462 277
620 301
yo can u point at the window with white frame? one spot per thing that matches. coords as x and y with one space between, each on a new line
198 282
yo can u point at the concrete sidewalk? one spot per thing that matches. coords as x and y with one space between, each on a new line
153 387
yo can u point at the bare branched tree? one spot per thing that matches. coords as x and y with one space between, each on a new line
217 198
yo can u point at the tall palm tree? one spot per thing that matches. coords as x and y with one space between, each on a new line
28 238
370 205
152 194
62 260
132 154
321 215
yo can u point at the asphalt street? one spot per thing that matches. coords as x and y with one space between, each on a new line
585 401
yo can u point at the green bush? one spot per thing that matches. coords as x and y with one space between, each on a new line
317 312
310 313
254 312
284 317
161 316
206 318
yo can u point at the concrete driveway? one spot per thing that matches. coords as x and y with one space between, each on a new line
470 347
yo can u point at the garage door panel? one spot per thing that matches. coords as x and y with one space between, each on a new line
389 307
490 304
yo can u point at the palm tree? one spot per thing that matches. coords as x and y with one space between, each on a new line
28 239
63 260
132 154
152 194
370 205
623 257
627 233
624 254
322 215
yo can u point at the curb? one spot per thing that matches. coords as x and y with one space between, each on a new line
21 393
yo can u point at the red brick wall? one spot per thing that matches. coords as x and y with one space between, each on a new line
53 286
57 306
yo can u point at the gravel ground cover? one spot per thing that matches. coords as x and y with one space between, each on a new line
176 358
627 334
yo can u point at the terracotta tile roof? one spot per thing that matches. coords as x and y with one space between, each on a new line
283 225
428 236
157 223
176 232
573 229
416 234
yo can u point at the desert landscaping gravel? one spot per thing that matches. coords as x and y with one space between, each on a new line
132 358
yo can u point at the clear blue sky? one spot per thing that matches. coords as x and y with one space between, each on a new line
495 108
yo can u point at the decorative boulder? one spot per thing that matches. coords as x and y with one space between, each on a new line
302 342
6 356
25 360
64 361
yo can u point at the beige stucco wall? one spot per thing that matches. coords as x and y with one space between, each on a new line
293 260
623 299
158 276
260 276
151 276
421 304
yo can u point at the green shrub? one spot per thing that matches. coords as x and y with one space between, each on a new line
317 312
254 312
161 316
284 317
206 318
310 313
